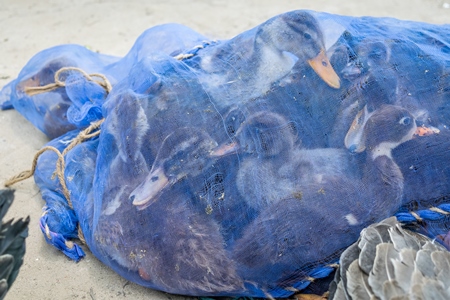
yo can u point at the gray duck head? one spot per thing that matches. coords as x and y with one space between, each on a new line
183 153
264 134
384 129
299 33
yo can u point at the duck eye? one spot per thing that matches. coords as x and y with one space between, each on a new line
405 121
307 36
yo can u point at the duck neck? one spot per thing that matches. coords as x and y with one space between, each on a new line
272 62
384 181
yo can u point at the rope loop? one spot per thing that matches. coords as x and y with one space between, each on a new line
102 81
90 132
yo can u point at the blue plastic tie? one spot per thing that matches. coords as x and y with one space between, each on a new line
69 248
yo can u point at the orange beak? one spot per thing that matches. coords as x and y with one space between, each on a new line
424 131
354 139
322 66
225 149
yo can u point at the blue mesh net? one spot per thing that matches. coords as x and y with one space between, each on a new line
241 167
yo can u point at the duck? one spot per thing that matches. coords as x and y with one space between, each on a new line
368 80
273 164
184 254
390 261
184 152
426 177
12 243
257 62
322 125
128 135
284 244
303 97
388 74
169 246
420 161
53 110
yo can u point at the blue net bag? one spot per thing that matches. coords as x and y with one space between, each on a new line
242 167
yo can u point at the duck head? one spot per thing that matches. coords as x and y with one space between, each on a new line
355 137
299 33
264 134
385 129
45 75
369 55
183 153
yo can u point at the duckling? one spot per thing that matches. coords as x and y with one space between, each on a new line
128 135
289 236
189 245
372 82
12 243
186 155
183 153
389 261
170 246
304 98
273 164
277 45
427 176
420 76
54 109
391 76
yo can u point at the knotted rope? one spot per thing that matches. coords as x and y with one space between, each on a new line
88 133
34 90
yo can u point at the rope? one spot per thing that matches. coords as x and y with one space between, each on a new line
34 90
88 133
194 50
60 163
83 135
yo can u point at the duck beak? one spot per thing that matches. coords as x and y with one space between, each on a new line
322 66
354 139
146 193
225 149
425 131
351 71
24 85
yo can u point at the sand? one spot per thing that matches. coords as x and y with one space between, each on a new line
27 27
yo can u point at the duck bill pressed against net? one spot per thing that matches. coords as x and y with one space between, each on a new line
148 191
225 149
354 140
425 130
322 66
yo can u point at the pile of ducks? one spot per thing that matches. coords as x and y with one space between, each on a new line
285 194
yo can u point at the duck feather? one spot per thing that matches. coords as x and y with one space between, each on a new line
358 284
382 271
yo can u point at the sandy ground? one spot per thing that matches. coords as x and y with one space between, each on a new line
27 27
